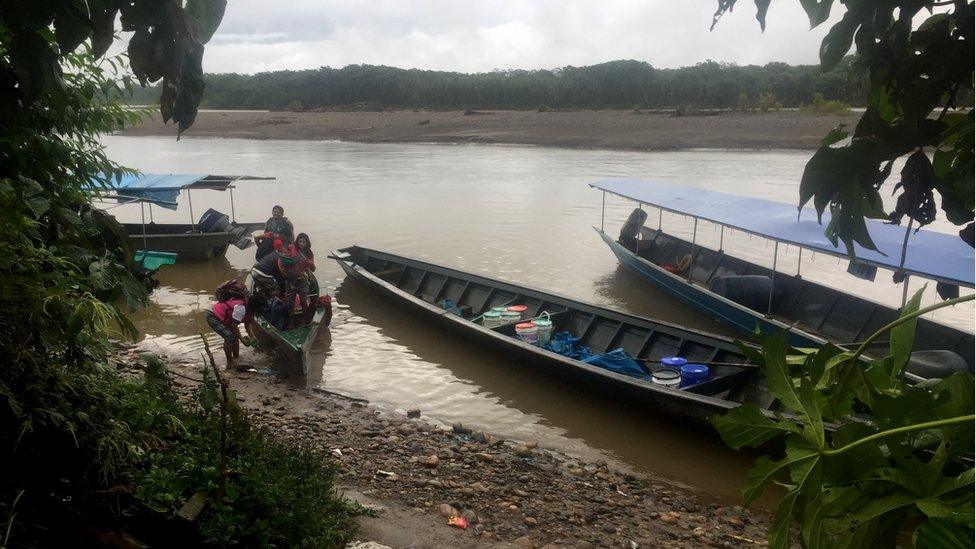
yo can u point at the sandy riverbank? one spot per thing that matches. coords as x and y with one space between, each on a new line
416 473
623 130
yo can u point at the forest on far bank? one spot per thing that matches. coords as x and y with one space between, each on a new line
613 85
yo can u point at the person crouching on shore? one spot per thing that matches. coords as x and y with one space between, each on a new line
226 317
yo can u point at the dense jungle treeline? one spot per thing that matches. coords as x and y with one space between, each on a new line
615 84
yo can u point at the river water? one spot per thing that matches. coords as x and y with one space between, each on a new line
523 214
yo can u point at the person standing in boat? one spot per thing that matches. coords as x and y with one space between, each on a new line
294 269
276 228
226 316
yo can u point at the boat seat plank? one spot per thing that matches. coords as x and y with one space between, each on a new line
705 264
388 272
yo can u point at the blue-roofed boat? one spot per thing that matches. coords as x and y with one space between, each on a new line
202 238
749 296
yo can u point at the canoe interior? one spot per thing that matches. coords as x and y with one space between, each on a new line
814 308
292 345
602 330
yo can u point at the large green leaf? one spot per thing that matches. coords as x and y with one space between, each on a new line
205 17
764 470
817 10
838 40
747 426
936 508
776 370
779 528
941 534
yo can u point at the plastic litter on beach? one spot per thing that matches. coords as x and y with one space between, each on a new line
458 522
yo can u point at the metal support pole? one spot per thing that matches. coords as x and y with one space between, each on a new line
694 237
904 292
145 239
721 238
660 212
151 220
603 208
640 231
233 216
799 258
189 199
772 280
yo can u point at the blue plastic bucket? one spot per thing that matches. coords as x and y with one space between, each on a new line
693 374
673 362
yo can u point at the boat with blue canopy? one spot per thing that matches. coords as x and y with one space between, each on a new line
749 296
203 238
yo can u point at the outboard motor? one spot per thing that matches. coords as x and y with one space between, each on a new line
632 227
213 221
750 291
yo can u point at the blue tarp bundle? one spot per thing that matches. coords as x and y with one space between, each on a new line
161 189
943 257
617 360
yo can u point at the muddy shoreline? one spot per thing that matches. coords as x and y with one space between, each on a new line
620 130
417 473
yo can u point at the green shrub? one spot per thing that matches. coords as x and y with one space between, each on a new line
821 106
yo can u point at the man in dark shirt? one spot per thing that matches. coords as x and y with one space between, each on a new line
280 227
267 275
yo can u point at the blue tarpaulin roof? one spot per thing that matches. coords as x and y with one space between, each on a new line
942 257
164 189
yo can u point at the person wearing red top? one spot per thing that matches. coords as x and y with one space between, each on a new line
294 268
225 318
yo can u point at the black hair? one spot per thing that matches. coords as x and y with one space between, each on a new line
309 251
277 207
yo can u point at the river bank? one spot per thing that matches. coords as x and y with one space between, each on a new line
418 473
621 130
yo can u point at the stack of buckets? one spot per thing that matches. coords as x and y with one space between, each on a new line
537 331
677 372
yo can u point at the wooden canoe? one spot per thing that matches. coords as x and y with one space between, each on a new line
424 287
290 347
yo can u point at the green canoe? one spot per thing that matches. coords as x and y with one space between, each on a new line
291 347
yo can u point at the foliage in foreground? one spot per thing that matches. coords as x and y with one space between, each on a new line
81 449
866 454
152 454
917 72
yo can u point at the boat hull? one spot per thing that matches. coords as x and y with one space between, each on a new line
179 238
687 405
722 309
813 314
291 348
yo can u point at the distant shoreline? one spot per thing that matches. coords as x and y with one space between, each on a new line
617 130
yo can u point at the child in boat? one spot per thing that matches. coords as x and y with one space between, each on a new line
226 316
294 269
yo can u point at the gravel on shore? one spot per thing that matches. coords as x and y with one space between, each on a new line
511 493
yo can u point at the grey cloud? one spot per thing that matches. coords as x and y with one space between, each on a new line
522 34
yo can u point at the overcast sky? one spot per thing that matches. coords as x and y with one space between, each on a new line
479 36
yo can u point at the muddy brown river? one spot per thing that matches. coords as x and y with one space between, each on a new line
523 214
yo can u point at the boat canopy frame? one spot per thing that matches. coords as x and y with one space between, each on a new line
704 203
